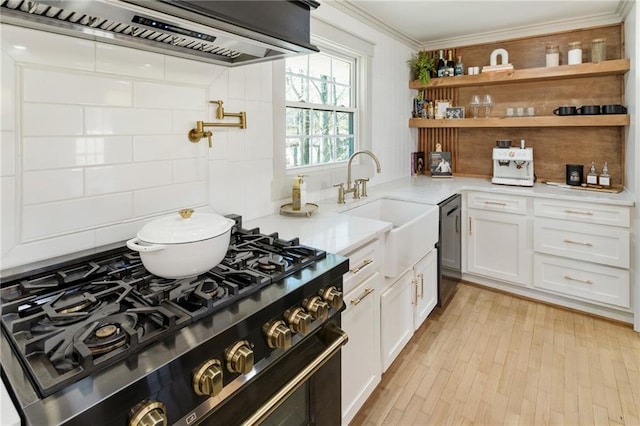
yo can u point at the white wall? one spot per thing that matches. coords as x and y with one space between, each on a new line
632 151
94 138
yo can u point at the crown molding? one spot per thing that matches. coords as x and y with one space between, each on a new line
524 31
349 8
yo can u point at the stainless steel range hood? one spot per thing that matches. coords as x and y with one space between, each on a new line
227 33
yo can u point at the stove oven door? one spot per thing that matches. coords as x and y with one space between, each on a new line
302 388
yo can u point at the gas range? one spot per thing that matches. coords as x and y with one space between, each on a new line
102 328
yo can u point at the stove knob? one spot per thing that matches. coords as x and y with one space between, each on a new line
207 379
332 296
239 357
278 334
318 308
149 413
299 321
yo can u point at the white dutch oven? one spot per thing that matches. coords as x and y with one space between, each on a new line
184 245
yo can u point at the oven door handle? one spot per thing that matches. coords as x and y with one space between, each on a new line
332 332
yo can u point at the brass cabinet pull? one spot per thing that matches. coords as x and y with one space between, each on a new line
359 268
421 285
578 242
578 212
495 203
367 291
415 293
309 370
569 277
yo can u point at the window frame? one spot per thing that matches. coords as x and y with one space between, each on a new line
354 60
322 177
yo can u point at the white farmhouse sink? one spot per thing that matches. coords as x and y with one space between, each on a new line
414 232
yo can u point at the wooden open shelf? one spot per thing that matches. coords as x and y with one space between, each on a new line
542 121
614 67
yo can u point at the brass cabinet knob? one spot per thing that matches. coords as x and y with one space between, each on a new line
207 378
239 357
278 334
318 308
299 321
149 413
332 296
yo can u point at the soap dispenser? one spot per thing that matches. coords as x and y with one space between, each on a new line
298 193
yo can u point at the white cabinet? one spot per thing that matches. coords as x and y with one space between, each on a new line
425 295
361 369
406 304
582 251
498 237
396 317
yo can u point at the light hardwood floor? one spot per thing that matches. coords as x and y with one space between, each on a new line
494 359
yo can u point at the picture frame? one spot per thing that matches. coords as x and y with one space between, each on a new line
440 164
454 112
417 163
441 108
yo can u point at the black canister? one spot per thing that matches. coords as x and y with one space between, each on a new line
574 174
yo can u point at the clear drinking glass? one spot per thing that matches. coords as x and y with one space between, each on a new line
475 105
487 105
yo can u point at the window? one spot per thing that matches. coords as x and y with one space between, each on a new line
320 109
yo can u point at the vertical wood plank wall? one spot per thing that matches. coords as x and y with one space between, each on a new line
553 147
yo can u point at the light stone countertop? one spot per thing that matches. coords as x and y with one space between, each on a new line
329 230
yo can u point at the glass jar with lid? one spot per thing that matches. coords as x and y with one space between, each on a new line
598 50
552 55
575 53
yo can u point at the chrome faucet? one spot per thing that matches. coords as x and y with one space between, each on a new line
356 188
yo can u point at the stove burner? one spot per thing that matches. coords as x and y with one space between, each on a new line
271 262
212 289
107 334
80 307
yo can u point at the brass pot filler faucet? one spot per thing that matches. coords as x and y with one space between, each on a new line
199 132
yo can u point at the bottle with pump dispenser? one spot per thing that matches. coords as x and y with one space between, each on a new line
592 176
605 179
298 193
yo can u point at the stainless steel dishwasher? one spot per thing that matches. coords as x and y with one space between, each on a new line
449 250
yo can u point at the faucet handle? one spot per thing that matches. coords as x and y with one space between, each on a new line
363 186
340 187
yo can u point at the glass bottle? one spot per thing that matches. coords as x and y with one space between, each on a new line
459 69
604 179
442 66
451 66
592 176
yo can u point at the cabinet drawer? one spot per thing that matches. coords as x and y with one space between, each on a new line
363 262
604 214
596 283
497 202
592 243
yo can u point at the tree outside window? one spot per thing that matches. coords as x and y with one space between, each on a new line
320 111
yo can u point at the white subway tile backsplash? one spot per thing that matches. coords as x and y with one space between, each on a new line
127 177
191 72
237 84
266 82
125 61
75 88
7 153
52 185
119 233
40 47
51 120
123 121
189 170
218 188
237 184
45 250
169 96
7 93
258 180
71 216
59 152
238 144
169 198
8 228
259 136
166 147
220 146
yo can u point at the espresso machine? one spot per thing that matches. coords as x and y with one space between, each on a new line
512 166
